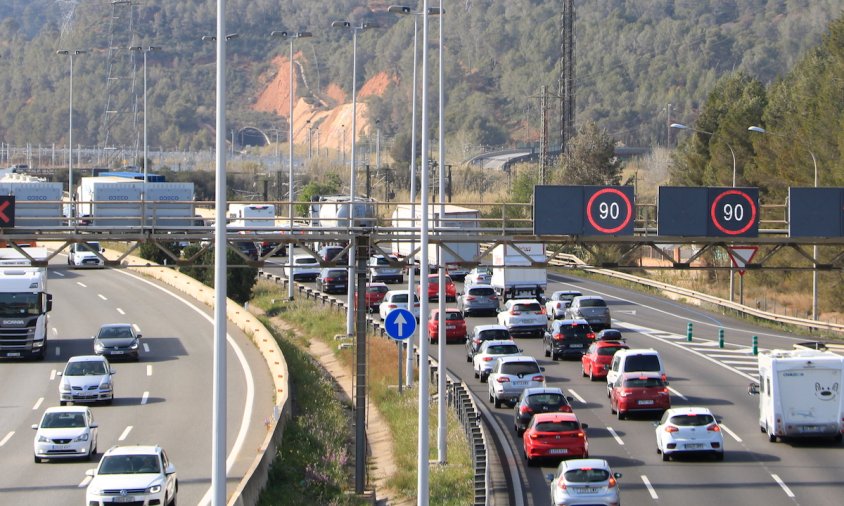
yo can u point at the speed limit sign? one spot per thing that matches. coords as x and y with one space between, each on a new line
734 212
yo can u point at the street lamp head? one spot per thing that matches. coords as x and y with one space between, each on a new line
757 129
302 35
368 25
341 24
399 9
435 11
280 34
679 126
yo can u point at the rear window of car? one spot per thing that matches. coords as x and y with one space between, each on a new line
575 331
306 261
611 335
516 368
377 289
503 349
546 400
494 334
643 382
454 315
608 351
527 307
557 426
588 475
648 363
692 420
399 297
592 303
484 291
335 273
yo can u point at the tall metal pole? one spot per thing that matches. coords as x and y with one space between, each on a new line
815 314
411 282
70 54
352 183
290 172
442 426
424 372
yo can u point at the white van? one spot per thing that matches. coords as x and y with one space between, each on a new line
634 360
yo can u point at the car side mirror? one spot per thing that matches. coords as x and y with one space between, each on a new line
35 426
58 373
542 369
549 477
93 337
617 475
570 398
140 336
170 469
584 426
656 424
91 473
667 383
112 371
753 389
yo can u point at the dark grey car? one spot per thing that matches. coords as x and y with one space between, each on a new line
593 309
478 299
117 340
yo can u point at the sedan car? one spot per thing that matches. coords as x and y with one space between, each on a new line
434 288
689 430
65 432
596 361
539 400
86 378
305 268
483 333
489 352
523 317
567 339
554 435
584 481
117 340
478 299
332 280
455 326
478 276
592 308
394 299
511 375
133 475
639 392
556 305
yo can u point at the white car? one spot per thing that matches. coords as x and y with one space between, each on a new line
305 267
381 270
523 317
81 254
398 299
511 375
86 378
65 433
487 354
556 305
478 276
689 430
135 475
584 481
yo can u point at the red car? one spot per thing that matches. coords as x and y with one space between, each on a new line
434 288
374 295
640 392
555 435
455 326
595 362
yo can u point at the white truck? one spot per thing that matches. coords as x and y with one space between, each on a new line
37 203
334 211
800 394
512 274
117 201
24 303
456 218
252 216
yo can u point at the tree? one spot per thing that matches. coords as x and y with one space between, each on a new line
590 158
239 278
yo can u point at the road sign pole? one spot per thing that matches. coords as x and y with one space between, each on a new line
361 243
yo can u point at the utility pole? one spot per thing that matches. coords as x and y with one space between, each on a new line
567 85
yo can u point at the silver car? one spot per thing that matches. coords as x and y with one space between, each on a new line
478 299
511 375
584 481
86 378
593 309
478 276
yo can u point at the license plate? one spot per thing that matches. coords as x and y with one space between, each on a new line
520 383
117 352
124 498
579 345
61 447
587 490
645 402
558 450
450 327
13 354
810 428
693 446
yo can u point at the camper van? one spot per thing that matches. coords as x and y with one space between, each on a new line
800 394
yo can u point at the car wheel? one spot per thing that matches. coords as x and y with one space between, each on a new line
530 462
173 501
62 403
484 377
658 451
612 409
719 456
37 459
90 455
555 357
771 437
469 359
621 415
665 457
497 402
475 371
591 375
838 438
582 370
491 399
547 351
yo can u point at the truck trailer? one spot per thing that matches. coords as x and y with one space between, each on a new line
117 201
252 216
512 273
334 211
24 304
38 203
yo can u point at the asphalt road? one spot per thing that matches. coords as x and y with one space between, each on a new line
754 471
163 399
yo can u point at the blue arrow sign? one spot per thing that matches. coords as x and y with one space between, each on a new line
400 324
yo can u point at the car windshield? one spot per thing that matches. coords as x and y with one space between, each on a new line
494 334
692 420
335 273
546 400
519 368
87 368
63 421
19 304
557 426
608 351
115 333
592 303
527 307
648 363
130 464
306 260
643 382
485 291
502 349
587 475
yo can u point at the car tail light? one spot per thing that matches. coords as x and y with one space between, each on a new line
534 435
541 311
565 409
624 392
612 482
561 484
590 335
328 280
664 391
476 341
581 434
470 297
539 378
392 306
558 336
503 379
713 428
525 409
671 428
487 359
664 377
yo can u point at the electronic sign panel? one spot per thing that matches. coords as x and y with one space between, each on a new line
583 210
681 211
815 212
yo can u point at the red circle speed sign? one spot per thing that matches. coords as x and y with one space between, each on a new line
732 212
610 212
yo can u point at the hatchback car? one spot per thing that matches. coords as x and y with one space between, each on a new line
539 400
555 435
568 339
375 293
478 276
66 432
455 326
595 362
434 288
381 270
689 430
305 268
334 254
398 299
639 392
511 375
86 378
584 481
133 475
489 352
592 308
478 299
483 333
523 317
247 248
556 305
117 340
332 280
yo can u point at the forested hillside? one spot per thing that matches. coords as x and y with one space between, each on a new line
634 58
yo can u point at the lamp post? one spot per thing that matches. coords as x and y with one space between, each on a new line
442 433
70 54
145 50
309 138
815 315
291 37
681 126
404 10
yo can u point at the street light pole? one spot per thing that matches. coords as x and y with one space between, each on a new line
145 50
442 433
70 53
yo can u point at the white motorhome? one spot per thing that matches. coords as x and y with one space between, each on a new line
252 216
800 394
24 303
513 273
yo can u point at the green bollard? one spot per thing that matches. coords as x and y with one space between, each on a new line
755 345
689 332
720 338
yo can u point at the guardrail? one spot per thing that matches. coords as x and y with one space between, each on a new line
458 394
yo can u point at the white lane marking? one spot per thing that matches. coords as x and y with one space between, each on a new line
83 285
741 362
38 403
576 396
145 398
7 438
146 348
52 375
125 433
650 487
747 352
55 331
731 433
57 273
137 329
782 484
58 350
678 394
246 419
121 311
149 370
102 296
615 435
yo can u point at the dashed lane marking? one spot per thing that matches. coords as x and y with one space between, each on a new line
7 438
146 348
615 436
145 398
103 297
149 370
782 484
678 394
650 487
731 433
125 433
83 285
577 396
121 311
38 403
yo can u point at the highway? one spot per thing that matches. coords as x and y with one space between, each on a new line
165 398
754 471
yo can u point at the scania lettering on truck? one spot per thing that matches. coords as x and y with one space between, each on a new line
800 394
24 304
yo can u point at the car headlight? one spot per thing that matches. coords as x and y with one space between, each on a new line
105 385
43 439
134 345
154 489
81 437
98 346
65 387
